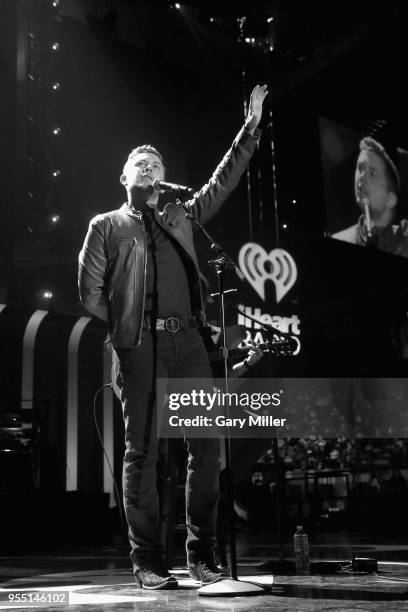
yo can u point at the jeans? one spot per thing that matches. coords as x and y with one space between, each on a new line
163 354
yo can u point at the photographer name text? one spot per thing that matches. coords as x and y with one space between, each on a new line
223 421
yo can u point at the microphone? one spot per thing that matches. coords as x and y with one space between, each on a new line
163 186
367 216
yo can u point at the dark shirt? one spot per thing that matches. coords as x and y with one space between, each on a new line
168 273
391 239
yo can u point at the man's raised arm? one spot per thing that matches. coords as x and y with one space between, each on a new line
206 202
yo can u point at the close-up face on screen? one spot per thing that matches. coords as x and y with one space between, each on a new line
364 188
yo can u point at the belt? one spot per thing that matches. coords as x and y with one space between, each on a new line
171 324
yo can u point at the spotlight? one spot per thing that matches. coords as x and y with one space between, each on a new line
211 19
47 295
56 173
55 46
56 85
270 47
55 3
270 19
293 201
55 219
284 226
56 131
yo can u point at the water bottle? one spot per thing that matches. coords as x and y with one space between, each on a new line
301 546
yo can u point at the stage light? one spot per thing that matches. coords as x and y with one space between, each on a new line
55 3
241 22
56 173
271 48
177 6
284 226
56 85
56 131
293 201
211 19
55 46
55 219
270 19
47 295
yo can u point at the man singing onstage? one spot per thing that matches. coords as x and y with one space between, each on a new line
138 270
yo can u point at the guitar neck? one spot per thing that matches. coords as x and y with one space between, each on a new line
279 348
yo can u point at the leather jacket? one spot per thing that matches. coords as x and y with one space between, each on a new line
112 262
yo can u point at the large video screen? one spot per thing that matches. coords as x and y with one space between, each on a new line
365 177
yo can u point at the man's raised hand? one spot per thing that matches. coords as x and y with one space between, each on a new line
258 95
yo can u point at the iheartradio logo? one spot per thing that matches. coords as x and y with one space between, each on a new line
258 266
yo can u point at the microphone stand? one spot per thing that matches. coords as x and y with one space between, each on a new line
231 587
281 566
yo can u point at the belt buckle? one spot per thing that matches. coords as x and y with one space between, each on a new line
172 325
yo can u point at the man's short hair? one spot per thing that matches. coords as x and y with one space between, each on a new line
146 148
391 172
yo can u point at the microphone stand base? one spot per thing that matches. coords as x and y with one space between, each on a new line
233 588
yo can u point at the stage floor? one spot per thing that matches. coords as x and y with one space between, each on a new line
101 579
